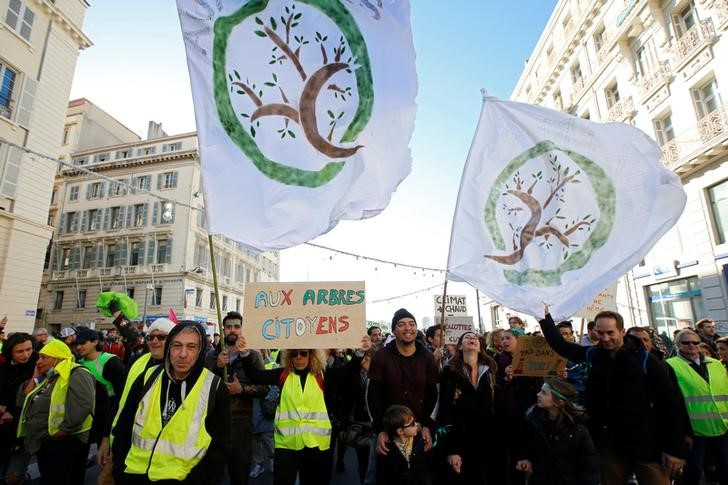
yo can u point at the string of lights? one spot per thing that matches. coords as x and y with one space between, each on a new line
377 260
391 298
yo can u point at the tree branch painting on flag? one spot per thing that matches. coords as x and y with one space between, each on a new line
308 104
552 208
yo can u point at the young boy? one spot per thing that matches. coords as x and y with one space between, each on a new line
404 463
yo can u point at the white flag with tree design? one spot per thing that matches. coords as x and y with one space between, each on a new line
553 208
304 109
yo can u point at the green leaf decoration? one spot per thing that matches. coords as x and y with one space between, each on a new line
260 33
258 21
330 113
273 23
237 74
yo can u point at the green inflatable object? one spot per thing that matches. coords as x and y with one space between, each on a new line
126 304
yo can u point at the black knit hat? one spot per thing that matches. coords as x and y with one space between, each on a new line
399 315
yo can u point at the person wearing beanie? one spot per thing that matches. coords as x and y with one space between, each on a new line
57 413
403 372
156 336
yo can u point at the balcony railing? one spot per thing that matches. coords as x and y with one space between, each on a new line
699 35
106 271
721 9
714 124
655 79
670 152
157 268
622 109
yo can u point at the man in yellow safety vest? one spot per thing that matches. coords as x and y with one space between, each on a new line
703 383
58 407
175 423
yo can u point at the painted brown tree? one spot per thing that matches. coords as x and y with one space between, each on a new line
287 48
534 229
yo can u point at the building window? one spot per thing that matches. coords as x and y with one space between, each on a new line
58 301
576 76
20 18
119 188
224 303
65 258
139 215
143 182
612 95
212 300
115 218
172 147
170 181
685 19
70 222
95 190
130 293
157 296
198 297
706 98
237 305
110 255
81 299
102 157
134 253
80 161
54 195
146 151
89 256
674 301
73 193
163 250
598 39
558 103
718 195
663 129
93 215
67 134
7 78
121 154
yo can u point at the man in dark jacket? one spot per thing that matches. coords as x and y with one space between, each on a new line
628 393
148 453
242 392
19 360
403 372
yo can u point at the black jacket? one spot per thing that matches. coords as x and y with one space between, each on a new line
217 422
241 405
565 456
467 411
11 377
393 468
627 397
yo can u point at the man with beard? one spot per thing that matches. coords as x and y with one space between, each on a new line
242 392
19 363
175 424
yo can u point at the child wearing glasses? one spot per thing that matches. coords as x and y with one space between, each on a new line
557 445
405 462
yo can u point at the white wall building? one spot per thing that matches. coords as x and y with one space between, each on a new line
113 238
39 44
662 66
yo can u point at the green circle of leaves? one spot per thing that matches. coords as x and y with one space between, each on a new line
277 171
604 193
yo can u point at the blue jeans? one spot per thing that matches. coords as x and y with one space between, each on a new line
718 446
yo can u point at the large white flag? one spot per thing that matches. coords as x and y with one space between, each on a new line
553 208
304 109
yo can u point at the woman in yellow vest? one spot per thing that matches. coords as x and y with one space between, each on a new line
703 383
302 425
58 407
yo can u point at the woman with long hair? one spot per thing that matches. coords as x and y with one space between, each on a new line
558 447
467 413
302 423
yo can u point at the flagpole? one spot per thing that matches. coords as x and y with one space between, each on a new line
481 327
220 327
442 308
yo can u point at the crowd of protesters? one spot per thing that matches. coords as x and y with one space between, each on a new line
172 405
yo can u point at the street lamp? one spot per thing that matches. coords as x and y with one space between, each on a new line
146 295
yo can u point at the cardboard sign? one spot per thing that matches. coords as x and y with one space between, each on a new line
455 327
605 300
313 315
455 305
534 357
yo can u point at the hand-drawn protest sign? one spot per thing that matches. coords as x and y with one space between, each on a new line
308 315
455 327
605 300
534 357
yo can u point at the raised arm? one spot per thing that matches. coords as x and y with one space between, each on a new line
572 352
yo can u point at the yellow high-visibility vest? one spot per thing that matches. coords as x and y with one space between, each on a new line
134 371
57 411
302 419
707 403
170 452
